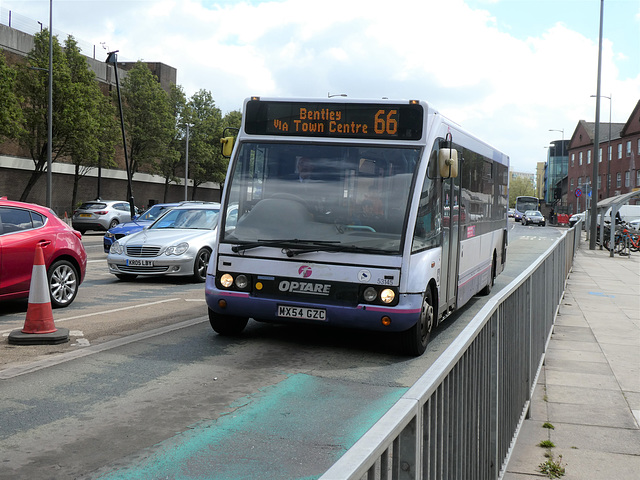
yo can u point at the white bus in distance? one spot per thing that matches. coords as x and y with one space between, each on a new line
379 215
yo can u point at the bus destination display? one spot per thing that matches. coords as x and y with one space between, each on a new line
339 120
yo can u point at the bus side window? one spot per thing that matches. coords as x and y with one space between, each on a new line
427 229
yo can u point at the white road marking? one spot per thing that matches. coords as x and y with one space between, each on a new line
104 312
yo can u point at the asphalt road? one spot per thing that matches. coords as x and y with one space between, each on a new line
145 388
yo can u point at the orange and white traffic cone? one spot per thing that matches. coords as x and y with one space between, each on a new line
39 327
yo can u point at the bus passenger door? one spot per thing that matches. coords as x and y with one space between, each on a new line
450 242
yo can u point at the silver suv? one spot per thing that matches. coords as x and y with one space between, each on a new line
100 215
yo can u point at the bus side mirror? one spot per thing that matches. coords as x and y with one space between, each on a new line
448 162
227 146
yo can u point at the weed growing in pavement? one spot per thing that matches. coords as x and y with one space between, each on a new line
552 468
548 425
546 444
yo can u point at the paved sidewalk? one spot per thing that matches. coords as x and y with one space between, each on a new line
589 388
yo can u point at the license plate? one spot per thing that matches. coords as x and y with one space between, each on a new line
301 312
85 215
134 262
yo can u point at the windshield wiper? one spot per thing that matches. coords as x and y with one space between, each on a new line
293 251
284 243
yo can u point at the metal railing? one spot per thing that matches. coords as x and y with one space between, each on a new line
461 418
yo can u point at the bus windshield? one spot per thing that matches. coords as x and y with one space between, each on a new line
303 197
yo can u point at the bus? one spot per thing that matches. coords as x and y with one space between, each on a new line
379 215
524 203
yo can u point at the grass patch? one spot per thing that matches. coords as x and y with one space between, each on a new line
552 468
546 444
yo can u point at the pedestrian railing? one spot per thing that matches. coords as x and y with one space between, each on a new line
461 418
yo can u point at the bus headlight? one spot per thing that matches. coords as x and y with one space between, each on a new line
226 280
370 294
387 295
242 281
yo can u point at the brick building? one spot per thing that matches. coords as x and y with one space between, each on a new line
617 157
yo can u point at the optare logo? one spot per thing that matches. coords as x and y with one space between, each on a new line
305 271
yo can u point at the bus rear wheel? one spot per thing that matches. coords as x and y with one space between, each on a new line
414 341
227 324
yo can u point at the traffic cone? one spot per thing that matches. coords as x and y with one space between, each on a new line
38 326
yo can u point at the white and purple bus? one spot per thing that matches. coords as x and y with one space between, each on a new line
380 215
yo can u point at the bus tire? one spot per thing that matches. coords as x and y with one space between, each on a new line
227 324
414 341
487 288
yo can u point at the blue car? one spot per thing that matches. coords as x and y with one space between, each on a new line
138 223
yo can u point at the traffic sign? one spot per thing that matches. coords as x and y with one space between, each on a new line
578 192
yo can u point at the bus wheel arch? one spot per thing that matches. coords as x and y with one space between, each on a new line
492 275
415 340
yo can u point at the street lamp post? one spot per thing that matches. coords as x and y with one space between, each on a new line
112 57
186 167
50 111
594 205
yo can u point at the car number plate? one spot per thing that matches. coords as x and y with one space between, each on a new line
134 262
85 215
302 312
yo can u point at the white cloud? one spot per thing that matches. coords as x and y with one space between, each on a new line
506 90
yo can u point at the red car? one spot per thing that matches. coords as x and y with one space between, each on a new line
22 227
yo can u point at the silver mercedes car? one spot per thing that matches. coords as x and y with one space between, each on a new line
178 243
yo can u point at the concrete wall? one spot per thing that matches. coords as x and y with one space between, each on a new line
15 173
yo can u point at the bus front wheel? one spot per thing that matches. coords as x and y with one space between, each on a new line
227 324
415 340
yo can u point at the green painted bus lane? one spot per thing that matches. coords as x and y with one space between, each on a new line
292 430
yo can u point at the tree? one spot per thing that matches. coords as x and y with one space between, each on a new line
149 122
169 164
93 116
518 187
10 111
204 139
32 88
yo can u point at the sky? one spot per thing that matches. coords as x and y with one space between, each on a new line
516 73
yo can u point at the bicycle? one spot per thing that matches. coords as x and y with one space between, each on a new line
623 239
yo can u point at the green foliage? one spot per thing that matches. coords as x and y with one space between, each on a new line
552 468
149 121
82 121
546 444
518 187
10 111
548 425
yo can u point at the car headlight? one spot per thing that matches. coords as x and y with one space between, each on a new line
116 248
177 249
109 235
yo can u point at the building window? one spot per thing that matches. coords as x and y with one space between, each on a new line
618 180
580 159
637 178
579 182
600 155
573 157
638 149
588 157
627 178
572 181
619 151
628 148
610 148
599 182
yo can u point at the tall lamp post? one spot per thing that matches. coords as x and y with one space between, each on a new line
186 167
50 110
112 58
596 142
608 144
